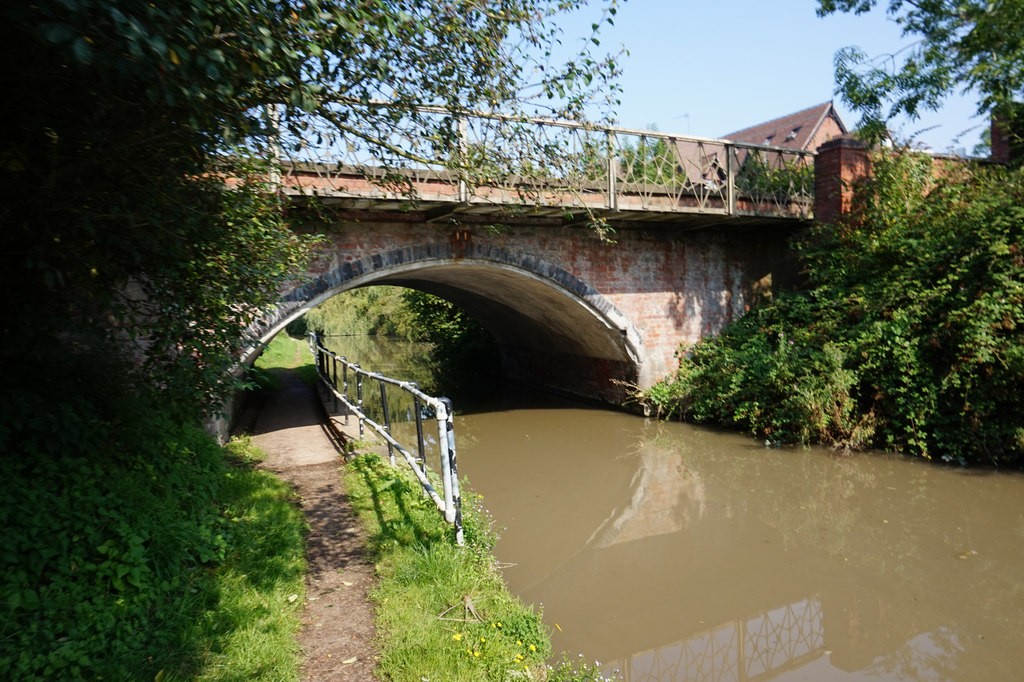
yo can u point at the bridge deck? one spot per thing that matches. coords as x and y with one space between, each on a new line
439 196
492 165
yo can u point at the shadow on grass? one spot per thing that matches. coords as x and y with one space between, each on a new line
400 509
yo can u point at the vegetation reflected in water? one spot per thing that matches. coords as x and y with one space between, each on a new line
677 553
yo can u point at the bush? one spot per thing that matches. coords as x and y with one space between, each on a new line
120 529
773 373
908 338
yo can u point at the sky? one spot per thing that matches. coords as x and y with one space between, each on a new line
711 67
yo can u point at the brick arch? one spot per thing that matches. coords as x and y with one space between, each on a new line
551 326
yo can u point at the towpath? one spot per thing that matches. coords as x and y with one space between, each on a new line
337 623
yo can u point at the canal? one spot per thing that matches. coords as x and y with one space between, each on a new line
671 552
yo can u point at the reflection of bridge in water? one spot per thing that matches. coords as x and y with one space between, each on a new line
758 648
665 500
690 579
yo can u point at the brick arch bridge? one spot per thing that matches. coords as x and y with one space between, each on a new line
569 311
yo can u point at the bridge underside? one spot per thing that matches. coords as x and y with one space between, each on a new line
546 338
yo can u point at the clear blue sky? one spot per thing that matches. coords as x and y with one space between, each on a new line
710 67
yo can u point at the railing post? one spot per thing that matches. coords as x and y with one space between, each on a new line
387 419
730 172
442 446
613 163
334 381
449 468
417 407
463 146
359 397
344 383
314 346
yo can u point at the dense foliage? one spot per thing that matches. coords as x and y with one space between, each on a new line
460 351
968 45
376 310
910 335
145 553
143 235
464 352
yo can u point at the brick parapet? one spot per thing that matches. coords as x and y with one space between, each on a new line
839 164
1007 135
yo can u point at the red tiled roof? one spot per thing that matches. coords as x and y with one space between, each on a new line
794 131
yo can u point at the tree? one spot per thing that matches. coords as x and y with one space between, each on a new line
650 160
141 237
968 45
138 138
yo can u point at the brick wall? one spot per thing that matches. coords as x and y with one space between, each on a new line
1007 144
567 307
839 164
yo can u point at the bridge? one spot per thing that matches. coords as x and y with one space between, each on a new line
513 220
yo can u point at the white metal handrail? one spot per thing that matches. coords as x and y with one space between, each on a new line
327 366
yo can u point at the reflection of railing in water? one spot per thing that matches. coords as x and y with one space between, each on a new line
756 649
327 365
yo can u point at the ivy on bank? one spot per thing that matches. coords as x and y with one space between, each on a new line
909 335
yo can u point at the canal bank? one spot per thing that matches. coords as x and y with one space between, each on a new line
443 610
673 552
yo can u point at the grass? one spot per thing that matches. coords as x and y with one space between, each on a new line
283 352
249 630
443 612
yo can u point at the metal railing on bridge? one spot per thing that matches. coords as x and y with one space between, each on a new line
489 161
341 377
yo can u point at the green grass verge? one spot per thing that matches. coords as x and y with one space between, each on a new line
249 632
443 611
283 352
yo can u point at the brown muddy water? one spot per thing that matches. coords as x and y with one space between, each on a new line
670 552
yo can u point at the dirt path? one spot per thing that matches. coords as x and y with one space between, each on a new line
337 633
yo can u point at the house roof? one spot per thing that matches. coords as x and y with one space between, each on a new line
794 131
